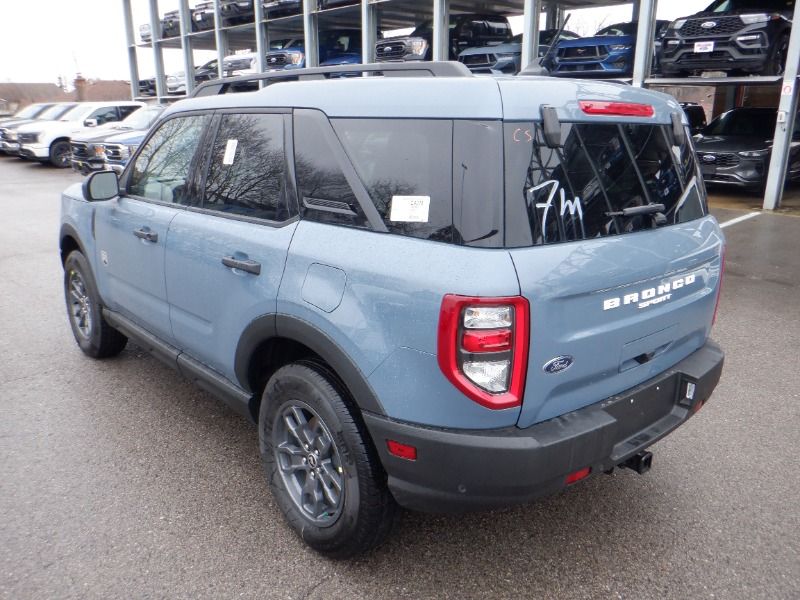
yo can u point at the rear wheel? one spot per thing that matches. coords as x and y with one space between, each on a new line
59 154
94 336
321 467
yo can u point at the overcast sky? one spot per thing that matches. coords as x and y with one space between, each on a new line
44 39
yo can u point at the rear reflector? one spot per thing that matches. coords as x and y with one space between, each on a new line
487 340
578 475
401 450
623 109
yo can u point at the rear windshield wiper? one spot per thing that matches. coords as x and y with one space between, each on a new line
657 210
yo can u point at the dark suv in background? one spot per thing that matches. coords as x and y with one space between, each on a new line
736 148
507 58
740 36
466 31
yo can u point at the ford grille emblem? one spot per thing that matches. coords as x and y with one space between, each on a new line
708 25
387 49
709 158
558 364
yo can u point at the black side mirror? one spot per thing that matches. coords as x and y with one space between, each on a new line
551 126
102 185
678 130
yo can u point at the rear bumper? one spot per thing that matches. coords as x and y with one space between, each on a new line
459 470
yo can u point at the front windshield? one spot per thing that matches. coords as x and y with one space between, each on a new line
142 118
618 29
28 112
57 111
752 123
724 6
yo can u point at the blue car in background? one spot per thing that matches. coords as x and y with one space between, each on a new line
609 53
117 150
339 47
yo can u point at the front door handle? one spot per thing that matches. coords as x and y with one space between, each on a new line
146 234
249 266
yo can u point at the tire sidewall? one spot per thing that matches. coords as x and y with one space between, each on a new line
53 155
76 261
301 382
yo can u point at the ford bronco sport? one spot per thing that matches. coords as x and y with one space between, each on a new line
430 291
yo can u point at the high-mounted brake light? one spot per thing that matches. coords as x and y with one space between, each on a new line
483 347
622 109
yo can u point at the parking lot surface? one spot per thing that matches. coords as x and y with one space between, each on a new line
120 479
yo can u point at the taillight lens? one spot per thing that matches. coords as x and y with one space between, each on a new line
483 347
719 287
622 109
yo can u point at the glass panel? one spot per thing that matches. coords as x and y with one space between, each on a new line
404 164
248 167
325 195
161 170
105 115
580 190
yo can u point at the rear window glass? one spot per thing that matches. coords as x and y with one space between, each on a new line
580 190
405 166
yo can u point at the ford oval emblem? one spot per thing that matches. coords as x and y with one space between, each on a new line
558 364
709 158
708 25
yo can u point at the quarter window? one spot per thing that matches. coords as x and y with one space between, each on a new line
405 165
247 175
161 170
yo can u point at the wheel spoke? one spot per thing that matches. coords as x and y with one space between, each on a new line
292 458
312 495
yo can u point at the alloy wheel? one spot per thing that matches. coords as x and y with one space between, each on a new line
309 462
80 304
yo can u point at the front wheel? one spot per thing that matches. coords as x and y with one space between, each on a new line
321 467
59 154
94 336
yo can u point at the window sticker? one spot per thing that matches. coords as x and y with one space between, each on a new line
230 152
410 209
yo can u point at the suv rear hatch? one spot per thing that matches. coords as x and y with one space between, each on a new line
619 288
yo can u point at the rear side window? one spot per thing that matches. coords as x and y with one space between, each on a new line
405 166
324 192
247 172
579 190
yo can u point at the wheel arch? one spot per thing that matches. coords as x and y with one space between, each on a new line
68 241
271 341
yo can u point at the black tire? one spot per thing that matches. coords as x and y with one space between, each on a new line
363 514
94 336
59 154
776 64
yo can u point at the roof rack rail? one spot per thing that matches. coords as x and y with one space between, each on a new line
249 83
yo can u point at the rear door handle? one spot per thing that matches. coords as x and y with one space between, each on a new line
146 234
249 266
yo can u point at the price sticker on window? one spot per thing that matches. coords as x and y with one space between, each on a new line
410 209
230 152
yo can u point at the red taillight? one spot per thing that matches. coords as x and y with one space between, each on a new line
483 347
401 450
719 286
622 109
578 475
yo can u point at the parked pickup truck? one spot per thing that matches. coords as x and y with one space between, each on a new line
87 148
466 31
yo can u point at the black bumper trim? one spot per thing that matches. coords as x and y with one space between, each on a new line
458 470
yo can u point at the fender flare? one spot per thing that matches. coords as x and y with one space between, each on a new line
299 330
68 230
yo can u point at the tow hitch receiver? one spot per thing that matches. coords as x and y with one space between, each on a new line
640 462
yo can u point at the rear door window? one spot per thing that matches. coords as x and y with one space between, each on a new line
246 176
579 190
405 166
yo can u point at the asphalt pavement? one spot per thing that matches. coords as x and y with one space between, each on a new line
119 479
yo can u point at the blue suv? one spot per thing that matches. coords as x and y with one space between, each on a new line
427 291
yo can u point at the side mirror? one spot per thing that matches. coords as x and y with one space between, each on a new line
90 123
678 130
102 185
